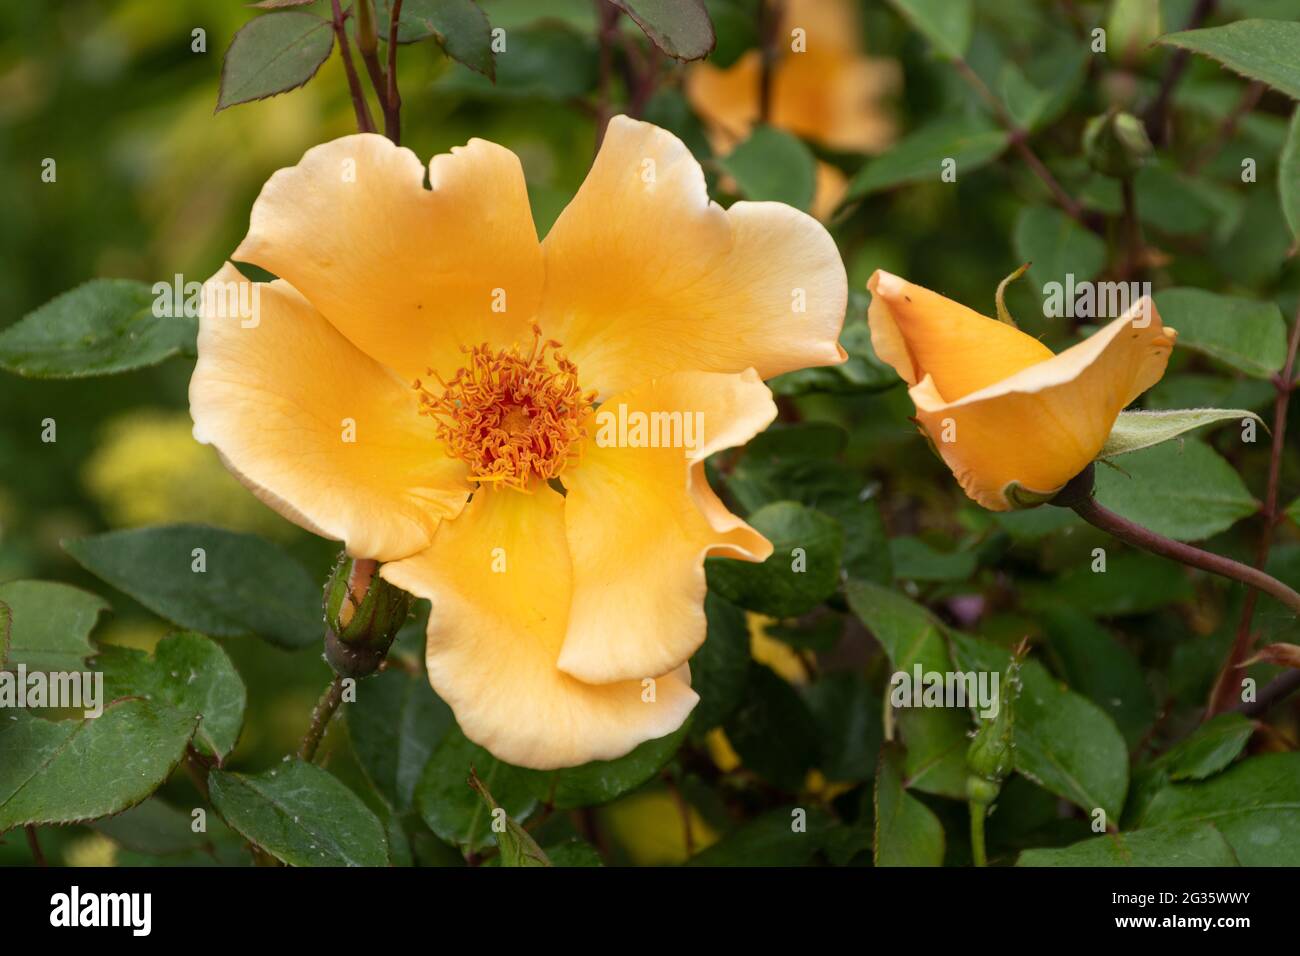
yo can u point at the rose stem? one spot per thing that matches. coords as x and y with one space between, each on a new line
1090 511
1020 140
320 718
1223 692
364 123
393 101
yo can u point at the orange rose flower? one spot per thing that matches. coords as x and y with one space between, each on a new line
430 384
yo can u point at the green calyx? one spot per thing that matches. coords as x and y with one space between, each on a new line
363 613
991 756
1116 144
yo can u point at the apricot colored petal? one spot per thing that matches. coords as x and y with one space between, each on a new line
408 274
646 276
321 432
921 333
1025 437
641 520
500 578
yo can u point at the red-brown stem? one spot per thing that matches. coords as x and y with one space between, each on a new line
393 99
320 718
606 35
1020 142
1157 114
770 14
1278 689
364 123
1225 692
1090 511
1135 253
34 844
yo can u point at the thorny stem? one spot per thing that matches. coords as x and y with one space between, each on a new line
34 844
977 813
1020 141
1157 114
320 718
364 123
1090 511
1225 687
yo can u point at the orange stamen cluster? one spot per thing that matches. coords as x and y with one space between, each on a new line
512 417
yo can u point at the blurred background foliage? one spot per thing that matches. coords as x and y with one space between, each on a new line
150 183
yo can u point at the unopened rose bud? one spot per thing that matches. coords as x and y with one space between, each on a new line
991 756
1116 144
363 613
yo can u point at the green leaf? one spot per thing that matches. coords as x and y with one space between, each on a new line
572 853
803 569
936 739
1183 490
1288 176
786 836
1057 246
863 371
395 724
1196 844
914 560
547 61
1255 804
907 631
189 674
1063 741
906 832
48 625
720 668
460 27
1096 665
1264 50
273 53
155 828
796 464
1245 334
301 815
518 848
1209 749
451 808
103 327
1174 203
773 731
601 781
1190 389
250 586
945 23
850 731
1137 430
68 771
1132 583
681 28
919 156
773 165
